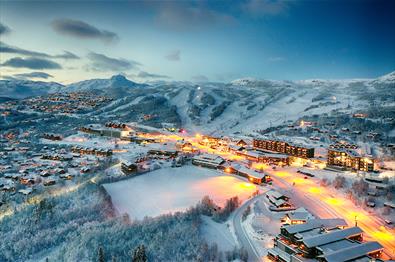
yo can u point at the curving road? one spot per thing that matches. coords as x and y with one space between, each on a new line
241 234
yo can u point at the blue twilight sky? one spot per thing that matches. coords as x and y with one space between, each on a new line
196 40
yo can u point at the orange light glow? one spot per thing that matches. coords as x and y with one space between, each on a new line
314 190
282 174
383 234
333 201
247 185
259 166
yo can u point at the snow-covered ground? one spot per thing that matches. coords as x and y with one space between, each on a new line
174 189
218 233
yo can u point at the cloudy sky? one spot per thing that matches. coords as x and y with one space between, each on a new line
196 40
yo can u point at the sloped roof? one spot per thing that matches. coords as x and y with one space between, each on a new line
353 252
323 239
315 223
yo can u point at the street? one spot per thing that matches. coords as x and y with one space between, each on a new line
242 236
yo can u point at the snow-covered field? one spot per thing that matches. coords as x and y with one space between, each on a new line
174 189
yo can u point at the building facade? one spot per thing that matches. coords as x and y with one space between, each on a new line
284 147
349 159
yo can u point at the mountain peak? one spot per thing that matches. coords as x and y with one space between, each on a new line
118 77
388 77
121 81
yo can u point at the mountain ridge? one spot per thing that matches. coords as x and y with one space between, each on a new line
119 84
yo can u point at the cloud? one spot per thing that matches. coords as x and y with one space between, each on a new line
199 78
8 78
4 48
260 8
42 75
187 16
67 55
81 29
143 74
4 29
31 63
276 59
174 55
100 62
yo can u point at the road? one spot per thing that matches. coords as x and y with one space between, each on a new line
241 234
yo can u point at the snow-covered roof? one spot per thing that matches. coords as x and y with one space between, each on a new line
299 215
209 158
353 252
274 194
337 235
316 223
247 171
235 147
273 155
26 191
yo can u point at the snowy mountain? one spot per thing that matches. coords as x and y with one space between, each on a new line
244 105
25 88
386 79
252 82
115 83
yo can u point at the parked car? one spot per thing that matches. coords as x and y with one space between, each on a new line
371 204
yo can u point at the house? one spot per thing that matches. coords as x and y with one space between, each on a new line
278 200
252 175
66 176
298 216
163 152
129 167
208 160
49 182
187 147
389 204
51 136
235 148
26 191
27 180
243 142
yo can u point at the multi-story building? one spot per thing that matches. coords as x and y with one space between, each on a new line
349 159
284 147
325 240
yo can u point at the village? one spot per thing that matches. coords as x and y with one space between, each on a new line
115 152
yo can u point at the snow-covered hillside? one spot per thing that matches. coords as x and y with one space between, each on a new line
25 88
241 106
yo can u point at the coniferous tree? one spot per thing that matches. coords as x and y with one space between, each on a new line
139 254
101 255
